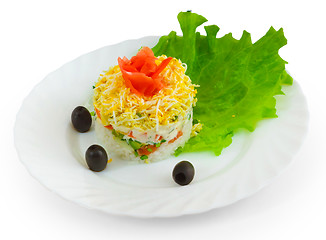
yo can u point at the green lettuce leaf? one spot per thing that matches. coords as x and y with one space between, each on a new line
238 79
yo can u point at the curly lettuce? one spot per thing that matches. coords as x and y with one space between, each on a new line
238 79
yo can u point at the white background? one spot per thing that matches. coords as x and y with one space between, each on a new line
38 37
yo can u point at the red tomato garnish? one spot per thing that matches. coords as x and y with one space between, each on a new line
109 127
143 150
98 113
130 135
161 67
141 72
180 133
158 137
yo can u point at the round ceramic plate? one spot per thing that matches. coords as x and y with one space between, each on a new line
54 153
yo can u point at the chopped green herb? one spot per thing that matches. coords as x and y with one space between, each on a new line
134 144
92 113
149 149
159 144
93 86
175 118
178 151
138 114
136 153
117 134
143 157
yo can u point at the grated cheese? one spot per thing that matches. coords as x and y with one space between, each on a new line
121 108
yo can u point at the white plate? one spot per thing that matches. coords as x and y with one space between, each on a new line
54 153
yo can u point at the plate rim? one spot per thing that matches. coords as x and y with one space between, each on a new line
30 171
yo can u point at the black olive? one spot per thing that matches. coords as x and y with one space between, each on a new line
96 158
81 119
183 173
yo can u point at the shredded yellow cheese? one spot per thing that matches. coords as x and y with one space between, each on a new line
120 107
196 128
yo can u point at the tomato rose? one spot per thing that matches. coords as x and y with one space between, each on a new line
141 74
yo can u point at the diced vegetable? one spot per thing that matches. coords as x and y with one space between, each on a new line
98 114
117 134
135 144
180 133
143 157
130 135
144 149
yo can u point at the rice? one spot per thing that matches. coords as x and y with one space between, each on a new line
118 149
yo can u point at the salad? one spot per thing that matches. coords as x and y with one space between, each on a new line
144 107
188 93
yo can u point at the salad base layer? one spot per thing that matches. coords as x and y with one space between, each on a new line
119 149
